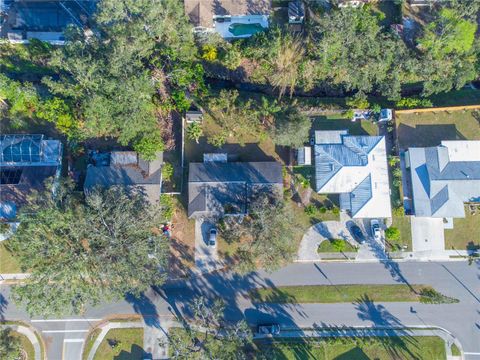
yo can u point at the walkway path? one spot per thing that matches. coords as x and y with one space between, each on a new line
30 334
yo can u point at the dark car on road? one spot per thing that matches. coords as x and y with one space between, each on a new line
269 329
357 234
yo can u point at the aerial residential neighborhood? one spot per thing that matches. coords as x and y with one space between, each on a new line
239 179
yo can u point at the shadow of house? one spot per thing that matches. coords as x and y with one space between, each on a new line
426 135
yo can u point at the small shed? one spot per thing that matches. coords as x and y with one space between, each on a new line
193 116
304 155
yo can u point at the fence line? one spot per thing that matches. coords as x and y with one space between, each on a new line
447 108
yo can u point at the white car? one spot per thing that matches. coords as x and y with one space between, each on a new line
375 227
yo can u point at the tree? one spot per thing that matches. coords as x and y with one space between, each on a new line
351 51
291 128
194 131
338 244
84 251
10 346
210 336
267 234
140 53
236 118
392 233
448 52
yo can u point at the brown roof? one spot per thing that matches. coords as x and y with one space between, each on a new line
201 12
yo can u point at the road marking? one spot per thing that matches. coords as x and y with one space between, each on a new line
471 353
63 320
64 331
73 340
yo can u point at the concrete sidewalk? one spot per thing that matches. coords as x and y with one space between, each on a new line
371 332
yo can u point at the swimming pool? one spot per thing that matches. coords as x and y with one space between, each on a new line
239 26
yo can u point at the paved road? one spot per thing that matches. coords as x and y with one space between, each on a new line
456 279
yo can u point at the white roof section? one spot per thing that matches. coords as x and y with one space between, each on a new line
357 170
462 150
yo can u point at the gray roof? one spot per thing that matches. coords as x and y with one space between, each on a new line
440 186
345 150
357 199
129 175
215 188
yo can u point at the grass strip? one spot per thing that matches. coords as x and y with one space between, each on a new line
126 343
394 347
340 293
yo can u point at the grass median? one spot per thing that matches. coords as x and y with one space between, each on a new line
395 347
344 293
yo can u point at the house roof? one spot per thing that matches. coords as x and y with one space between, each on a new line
444 177
126 169
201 12
215 188
356 168
26 161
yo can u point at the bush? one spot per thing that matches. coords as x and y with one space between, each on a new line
411 103
166 203
232 58
338 244
167 172
359 101
392 234
310 209
209 52
322 210
335 211
217 140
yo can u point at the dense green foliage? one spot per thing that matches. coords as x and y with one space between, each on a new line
265 236
210 336
10 346
132 70
84 251
392 234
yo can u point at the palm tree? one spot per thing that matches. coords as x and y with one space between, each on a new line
194 131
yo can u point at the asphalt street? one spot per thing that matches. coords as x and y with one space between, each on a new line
455 279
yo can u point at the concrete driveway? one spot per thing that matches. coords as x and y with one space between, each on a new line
206 257
319 232
428 236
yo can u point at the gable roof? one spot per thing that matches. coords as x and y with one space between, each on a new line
214 186
126 169
356 168
444 177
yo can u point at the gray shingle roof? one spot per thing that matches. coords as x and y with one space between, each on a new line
440 186
356 199
218 187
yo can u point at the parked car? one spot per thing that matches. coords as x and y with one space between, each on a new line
212 239
269 329
375 226
357 234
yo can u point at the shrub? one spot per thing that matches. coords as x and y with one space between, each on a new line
166 203
167 172
359 101
338 244
411 103
194 131
217 140
232 58
335 210
310 209
209 52
392 234
322 210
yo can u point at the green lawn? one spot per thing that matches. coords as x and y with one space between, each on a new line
327 247
429 129
403 224
130 345
455 350
339 122
8 263
391 348
336 293
90 341
465 233
27 346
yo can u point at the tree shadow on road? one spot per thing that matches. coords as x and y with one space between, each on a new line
145 307
3 306
397 337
